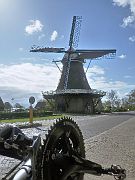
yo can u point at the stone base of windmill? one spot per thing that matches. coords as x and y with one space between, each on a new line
75 104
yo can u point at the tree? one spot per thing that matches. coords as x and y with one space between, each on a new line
118 103
131 100
107 106
1 105
113 98
131 97
98 105
125 103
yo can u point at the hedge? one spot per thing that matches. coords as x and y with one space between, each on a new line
25 114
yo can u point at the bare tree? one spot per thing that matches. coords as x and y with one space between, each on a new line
131 100
131 97
113 98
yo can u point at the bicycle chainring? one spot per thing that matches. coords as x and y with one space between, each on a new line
62 139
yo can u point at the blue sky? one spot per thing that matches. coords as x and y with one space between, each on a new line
106 24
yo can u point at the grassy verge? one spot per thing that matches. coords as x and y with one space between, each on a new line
34 119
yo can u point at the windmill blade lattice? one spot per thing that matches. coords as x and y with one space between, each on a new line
73 42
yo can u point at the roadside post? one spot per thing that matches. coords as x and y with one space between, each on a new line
31 101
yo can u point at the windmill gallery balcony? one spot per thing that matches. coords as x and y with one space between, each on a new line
74 100
90 92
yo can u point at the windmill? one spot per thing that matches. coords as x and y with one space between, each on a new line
73 93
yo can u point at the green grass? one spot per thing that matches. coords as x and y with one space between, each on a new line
34 119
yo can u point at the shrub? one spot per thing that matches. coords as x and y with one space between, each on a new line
25 114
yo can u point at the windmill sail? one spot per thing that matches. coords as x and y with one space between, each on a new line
94 54
73 42
47 50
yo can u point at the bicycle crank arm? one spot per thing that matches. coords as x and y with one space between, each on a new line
75 164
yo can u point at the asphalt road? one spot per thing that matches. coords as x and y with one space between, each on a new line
94 125
114 146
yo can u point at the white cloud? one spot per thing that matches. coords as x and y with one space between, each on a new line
27 76
100 82
123 3
95 70
20 81
54 36
34 26
132 38
122 56
128 20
